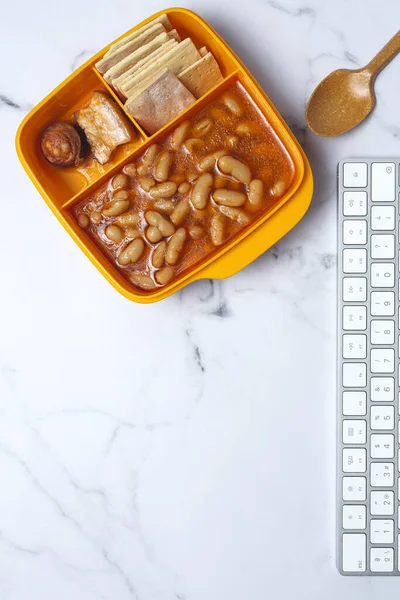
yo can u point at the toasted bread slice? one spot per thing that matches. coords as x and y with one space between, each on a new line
203 51
176 60
201 76
163 20
106 63
142 64
138 54
164 99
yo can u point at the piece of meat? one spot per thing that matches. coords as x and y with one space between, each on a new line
105 126
61 145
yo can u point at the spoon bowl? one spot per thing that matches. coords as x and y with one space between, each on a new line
346 97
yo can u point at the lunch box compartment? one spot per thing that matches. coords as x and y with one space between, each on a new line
62 184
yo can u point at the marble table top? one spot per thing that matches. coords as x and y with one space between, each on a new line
183 450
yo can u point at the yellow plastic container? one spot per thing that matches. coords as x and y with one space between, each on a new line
63 188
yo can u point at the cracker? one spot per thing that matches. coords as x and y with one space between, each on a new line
176 60
109 61
142 64
201 76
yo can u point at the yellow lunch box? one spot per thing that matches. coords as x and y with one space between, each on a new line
63 189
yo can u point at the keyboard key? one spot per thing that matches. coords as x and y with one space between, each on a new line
354 516
355 175
354 460
382 332
354 232
382 560
354 204
382 246
354 375
383 177
382 360
354 403
382 417
382 445
354 552
383 218
354 346
354 289
354 431
382 531
354 488
382 474
382 389
382 275
355 318
382 304
354 260
382 503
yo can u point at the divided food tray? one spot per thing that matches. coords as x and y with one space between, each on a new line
64 189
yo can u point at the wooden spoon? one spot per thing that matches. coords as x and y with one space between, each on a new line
345 97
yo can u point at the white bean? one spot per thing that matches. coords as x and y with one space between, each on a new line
279 188
255 193
142 169
163 165
149 156
96 216
247 128
121 195
130 169
164 276
154 218
120 181
130 218
166 206
234 167
235 214
146 183
142 280
221 115
201 191
192 177
175 246
164 190
202 127
229 197
153 234
115 208
114 234
184 187
132 252
233 104
159 255
192 144
179 135
83 220
232 141
195 232
217 229
208 161
180 212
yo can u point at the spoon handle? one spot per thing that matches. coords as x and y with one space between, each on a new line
383 57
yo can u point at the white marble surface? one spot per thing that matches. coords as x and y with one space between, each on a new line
183 450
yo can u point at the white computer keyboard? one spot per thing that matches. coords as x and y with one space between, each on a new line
368 367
